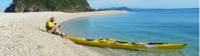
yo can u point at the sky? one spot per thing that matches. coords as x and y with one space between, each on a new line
97 4
144 3
4 4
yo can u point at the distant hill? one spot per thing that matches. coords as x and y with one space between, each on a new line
116 8
143 9
48 5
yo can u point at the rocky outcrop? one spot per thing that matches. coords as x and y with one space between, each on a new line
48 5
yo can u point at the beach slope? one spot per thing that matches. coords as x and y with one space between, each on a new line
23 34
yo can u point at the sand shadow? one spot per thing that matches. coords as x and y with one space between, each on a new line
42 30
48 32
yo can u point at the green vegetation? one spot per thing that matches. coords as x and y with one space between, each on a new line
48 5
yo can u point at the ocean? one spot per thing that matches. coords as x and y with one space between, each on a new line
141 25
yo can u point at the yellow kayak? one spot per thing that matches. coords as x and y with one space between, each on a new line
123 45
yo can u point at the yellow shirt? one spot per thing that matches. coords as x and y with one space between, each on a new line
50 24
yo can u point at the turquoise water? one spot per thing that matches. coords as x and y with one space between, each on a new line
141 25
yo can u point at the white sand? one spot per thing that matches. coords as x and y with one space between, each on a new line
20 35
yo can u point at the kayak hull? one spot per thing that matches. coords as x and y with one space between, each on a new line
123 45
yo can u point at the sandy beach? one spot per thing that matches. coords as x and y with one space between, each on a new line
21 35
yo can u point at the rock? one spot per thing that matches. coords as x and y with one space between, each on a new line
48 5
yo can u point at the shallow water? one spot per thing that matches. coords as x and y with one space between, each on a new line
123 52
150 25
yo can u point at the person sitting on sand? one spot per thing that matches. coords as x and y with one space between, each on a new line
52 27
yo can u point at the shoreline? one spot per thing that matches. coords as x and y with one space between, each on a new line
20 34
